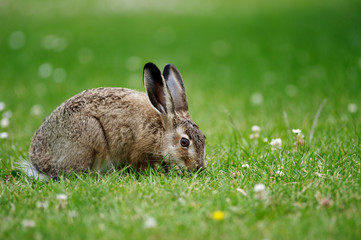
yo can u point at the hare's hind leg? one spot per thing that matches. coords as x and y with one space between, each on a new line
86 151
69 156
68 144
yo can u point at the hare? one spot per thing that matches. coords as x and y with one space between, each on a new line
106 127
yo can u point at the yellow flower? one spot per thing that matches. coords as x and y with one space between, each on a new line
218 215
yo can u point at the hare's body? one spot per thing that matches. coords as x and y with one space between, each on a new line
95 129
105 127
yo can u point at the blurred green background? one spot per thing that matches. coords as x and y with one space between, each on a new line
255 59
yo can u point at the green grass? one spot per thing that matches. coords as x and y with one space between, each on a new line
294 55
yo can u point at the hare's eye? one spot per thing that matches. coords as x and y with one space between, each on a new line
184 142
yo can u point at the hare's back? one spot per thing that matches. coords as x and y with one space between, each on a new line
102 101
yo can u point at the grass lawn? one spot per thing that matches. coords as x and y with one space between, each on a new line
264 64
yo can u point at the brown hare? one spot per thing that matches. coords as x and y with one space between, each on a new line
102 128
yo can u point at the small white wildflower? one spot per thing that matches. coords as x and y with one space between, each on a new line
28 223
256 98
150 222
260 191
45 70
2 106
61 197
280 173
259 187
256 129
296 131
300 140
254 136
4 122
4 135
72 214
182 201
36 110
7 114
276 143
245 165
265 140
43 205
17 40
352 108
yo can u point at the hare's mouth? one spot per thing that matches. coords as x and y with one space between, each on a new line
186 164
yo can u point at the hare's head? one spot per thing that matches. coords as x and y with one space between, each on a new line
183 142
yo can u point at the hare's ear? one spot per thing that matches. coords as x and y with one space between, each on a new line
157 90
175 84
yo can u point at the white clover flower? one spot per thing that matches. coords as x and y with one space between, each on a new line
61 197
45 70
276 143
4 122
260 191
28 223
7 114
254 136
17 40
2 106
280 173
259 188
150 222
43 205
52 42
352 108
246 166
36 110
256 129
72 214
182 201
4 135
300 140
256 98
296 131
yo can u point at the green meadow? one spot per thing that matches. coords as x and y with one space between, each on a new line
278 65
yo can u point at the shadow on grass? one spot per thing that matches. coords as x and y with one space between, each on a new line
125 171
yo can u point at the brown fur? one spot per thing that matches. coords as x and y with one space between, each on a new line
105 127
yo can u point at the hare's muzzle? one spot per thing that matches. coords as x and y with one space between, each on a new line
202 166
